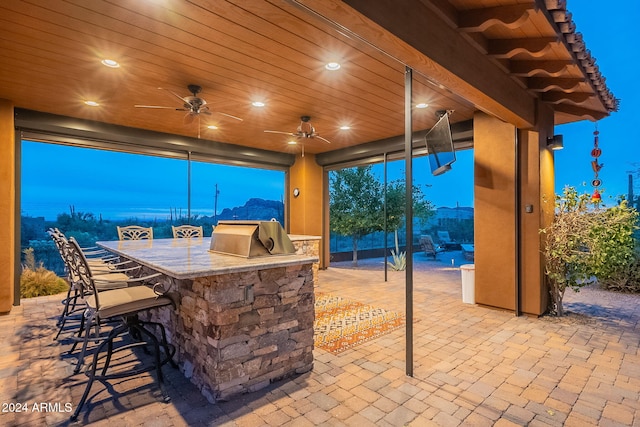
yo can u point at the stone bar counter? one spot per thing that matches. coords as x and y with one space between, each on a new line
239 323
308 245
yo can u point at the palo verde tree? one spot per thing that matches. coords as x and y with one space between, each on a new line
356 204
423 209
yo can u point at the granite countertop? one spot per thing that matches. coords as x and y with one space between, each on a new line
298 237
191 258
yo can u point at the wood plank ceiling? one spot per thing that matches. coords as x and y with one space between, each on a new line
272 51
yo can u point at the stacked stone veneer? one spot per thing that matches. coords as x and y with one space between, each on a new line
310 247
236 333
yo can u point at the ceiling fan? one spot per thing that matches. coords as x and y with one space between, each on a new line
305 130
193 105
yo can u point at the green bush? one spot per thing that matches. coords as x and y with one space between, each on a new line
626 279
585 244
37 281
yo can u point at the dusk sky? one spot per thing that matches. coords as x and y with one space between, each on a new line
608 34
147 192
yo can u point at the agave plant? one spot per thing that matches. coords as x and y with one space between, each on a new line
399 262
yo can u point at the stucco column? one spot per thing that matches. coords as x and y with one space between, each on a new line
494 211
536 211
7 206
306 204
508 244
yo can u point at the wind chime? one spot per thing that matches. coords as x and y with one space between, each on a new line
596 198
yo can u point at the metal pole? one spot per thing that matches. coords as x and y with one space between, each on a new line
408 152
189 186
215 206
518 224
386 246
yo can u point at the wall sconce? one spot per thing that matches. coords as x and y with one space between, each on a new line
555 142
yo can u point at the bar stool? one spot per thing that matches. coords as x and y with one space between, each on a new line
123 305
187 231
101 262
135 232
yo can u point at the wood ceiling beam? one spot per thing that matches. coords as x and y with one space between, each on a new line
478 20
419 38
544 84
580 112
529 68
508 48
556 97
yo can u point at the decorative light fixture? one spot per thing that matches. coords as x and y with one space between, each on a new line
596 198
258 104
555 142
92 103
422 105
332 66
110 63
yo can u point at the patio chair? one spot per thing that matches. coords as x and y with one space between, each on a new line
102 262
187 231
446 242
122 305
429 248
135 232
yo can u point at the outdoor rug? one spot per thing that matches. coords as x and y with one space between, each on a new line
342 323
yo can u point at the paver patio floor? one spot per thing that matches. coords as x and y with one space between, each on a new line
473 366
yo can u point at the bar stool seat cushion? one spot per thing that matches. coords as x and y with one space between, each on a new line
118 302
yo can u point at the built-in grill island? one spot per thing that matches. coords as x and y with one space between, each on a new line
245 308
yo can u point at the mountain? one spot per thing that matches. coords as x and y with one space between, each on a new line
255 208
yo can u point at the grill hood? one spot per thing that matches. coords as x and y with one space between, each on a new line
250 239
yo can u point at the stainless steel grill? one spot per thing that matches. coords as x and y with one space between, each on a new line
250 239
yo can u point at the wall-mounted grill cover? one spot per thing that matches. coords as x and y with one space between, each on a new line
250 239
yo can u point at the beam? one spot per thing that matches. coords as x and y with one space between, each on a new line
478 20
508 48
102 135
544 84
373 152
580 112
556 97
528 68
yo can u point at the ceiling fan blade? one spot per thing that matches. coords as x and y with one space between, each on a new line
324 139
175 94
230 116
160 107
188 118
283 133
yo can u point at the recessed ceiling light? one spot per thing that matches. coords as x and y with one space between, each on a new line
292 142
422 105
212 127
332 66
92 103
258 104
110 63
345 127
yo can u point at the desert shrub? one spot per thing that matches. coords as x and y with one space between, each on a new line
625 280
585 244
37 281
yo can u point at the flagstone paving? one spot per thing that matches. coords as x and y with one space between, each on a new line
473 366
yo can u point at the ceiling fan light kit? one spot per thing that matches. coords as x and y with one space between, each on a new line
193 105
304 131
